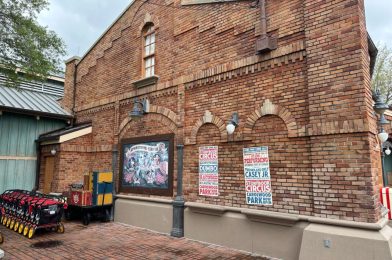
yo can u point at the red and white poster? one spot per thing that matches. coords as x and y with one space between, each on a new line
257 176
208 171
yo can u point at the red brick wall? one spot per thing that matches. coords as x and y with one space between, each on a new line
321 134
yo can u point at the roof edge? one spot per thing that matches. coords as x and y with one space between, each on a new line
103 34
62 131
35 113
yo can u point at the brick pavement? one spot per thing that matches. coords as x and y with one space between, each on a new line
111 241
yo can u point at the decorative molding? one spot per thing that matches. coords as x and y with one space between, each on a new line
141 83
85 148
207 118
148 18
283 55
18 158
268 108
163 111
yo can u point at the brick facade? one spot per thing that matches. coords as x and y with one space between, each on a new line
309 100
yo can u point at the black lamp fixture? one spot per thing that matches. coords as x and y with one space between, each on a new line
140 107
232 124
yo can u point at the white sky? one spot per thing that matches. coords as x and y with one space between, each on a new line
81 22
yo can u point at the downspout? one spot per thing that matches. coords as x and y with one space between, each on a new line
38 165
74 94
265 43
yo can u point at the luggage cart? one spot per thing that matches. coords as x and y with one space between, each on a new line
88 212
26 212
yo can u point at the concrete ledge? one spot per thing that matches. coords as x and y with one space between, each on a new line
157 200
280 218
271 217
206 208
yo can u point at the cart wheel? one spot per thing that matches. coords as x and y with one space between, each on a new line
31 232
16 226
86 218
12 224
26 230
21 226
1 239
60 228
107 215
8 222
67 214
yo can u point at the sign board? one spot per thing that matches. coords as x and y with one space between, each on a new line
208 171
257 176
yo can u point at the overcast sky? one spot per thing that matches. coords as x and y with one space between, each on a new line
81 22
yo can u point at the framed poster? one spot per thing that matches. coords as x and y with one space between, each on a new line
257 176
208 171
146 165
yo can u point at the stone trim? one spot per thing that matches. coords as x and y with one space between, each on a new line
85 149
287 218
208 118
147 199
271 109
148 18
145 82
207 209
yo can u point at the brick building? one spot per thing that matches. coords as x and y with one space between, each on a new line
296 73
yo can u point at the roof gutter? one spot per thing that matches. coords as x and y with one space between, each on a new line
373 51
35 113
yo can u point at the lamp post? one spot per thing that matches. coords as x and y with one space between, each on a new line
380 107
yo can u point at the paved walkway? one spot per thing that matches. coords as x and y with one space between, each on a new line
109 241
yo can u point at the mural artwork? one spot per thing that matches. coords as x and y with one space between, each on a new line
146 166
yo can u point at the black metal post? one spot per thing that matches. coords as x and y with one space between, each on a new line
179 202
114 170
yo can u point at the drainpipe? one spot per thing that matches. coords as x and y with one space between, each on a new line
264 43
114 171
74 94
179 202
38 165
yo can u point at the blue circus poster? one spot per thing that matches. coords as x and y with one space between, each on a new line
257 176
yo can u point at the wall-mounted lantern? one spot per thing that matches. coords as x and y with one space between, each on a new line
232 124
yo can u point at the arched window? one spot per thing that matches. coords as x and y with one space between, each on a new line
149 50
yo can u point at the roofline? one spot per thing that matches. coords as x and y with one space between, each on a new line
35 113
57 137
107 29
373 52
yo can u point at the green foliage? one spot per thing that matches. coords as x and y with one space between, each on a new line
25 44
382 76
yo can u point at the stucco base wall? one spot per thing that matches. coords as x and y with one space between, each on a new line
153 215
272 234
236 230
345 243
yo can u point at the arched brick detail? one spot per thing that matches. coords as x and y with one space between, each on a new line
270 109
148 18
163 111
208 118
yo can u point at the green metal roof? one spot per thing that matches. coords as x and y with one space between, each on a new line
31 102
